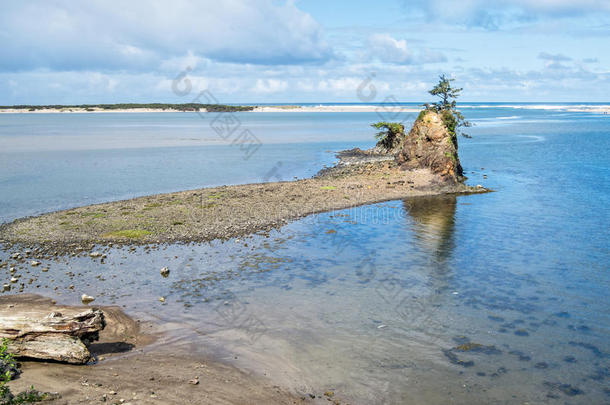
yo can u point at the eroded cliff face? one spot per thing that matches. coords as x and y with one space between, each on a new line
430 145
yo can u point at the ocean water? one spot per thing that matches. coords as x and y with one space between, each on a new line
498 298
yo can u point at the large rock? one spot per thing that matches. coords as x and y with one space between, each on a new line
430 145
35 331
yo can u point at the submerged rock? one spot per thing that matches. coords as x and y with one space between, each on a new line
477 348
566 389
430 145
454 359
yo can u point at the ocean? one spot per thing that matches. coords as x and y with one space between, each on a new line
495 298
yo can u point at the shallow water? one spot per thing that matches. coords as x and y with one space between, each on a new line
374 302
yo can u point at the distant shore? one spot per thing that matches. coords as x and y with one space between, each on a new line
152 108
220 108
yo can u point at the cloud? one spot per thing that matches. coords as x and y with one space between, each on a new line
139 34
390 50
246 51
553 58
499 13
554 61
269 86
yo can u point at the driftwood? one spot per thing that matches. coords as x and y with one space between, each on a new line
38 332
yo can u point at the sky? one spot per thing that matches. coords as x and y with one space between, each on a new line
292 51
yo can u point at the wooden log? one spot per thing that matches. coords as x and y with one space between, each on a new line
36 331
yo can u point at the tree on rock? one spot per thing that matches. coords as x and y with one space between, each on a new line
447 106
432 141
389 136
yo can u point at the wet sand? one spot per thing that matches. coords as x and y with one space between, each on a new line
134 365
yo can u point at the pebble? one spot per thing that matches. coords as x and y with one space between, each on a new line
35 263
86 299
161 299
95 254
165 272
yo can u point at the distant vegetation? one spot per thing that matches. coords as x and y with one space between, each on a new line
157 106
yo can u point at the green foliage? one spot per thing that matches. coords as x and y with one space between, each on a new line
421 115
447 107
28 396
389 134
8 366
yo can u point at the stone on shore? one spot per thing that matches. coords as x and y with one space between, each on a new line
87 299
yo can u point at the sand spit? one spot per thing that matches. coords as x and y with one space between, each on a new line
228 211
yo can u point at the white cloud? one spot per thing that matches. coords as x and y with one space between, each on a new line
141 34
269 86
388 49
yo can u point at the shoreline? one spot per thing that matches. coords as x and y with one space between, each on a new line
225 212
156 367
590 108
136 361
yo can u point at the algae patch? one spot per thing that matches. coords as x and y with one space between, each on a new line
128 233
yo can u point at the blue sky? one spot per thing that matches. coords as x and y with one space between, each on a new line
247 51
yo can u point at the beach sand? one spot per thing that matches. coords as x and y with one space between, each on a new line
136 365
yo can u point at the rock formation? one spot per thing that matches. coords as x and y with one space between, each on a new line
429 144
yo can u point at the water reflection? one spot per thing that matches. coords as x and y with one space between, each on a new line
433 223
432 228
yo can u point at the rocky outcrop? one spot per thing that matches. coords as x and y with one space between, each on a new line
430 145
